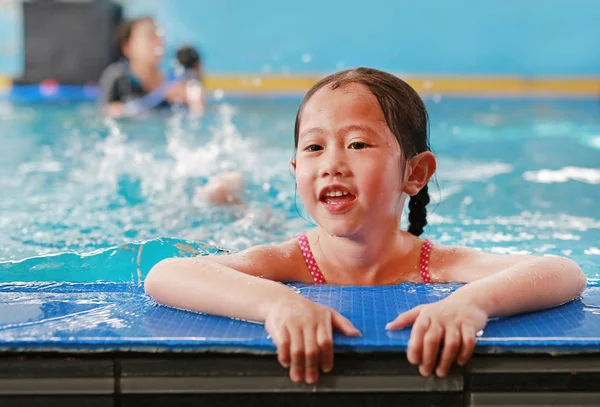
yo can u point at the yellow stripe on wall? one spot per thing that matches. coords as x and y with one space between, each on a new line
509 86
259 83
5 82
467 85
426 85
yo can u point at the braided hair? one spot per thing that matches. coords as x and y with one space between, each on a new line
405 115
417 211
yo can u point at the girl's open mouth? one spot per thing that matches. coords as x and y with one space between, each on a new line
337 199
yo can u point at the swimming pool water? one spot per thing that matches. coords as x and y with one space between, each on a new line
84 198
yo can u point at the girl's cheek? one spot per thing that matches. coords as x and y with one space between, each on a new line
303 181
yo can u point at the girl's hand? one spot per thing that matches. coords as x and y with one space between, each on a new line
454 321
303 334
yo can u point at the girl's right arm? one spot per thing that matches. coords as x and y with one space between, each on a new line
227 285
231 285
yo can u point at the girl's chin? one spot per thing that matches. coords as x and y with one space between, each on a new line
337 230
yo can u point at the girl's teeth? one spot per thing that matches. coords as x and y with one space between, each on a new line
336 193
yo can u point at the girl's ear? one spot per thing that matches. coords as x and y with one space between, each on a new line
293 162
420 169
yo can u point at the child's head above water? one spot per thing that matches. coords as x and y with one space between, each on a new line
189 62
362 145
188 57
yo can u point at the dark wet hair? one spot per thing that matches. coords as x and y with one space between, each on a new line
405 115
123 33
188 56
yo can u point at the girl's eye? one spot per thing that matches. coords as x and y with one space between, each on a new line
358 145
314 147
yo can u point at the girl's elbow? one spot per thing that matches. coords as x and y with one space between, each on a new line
575 274
582 278
155 281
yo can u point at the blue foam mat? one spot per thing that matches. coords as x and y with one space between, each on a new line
77 93
118 316
41 93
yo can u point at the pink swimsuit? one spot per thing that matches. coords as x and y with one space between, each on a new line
320 279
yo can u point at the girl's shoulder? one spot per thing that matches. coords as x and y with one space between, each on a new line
281 262
464 264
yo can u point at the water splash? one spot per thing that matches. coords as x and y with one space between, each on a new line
76 183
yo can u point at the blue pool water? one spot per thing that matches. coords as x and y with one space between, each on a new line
83 198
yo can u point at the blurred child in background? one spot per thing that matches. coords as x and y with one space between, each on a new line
135 84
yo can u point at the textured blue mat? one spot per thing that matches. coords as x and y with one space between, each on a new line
117 316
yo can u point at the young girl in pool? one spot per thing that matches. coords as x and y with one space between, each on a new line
362 149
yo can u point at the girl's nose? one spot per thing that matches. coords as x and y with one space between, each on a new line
334 164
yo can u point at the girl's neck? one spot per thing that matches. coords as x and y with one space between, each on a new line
363 258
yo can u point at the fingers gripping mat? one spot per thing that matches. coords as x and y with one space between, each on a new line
119 317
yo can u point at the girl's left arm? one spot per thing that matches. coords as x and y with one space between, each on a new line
506 285
498 285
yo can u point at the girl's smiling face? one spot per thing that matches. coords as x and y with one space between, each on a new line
349 167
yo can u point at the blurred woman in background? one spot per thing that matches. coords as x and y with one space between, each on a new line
135 84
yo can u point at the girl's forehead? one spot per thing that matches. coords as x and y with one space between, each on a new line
353 102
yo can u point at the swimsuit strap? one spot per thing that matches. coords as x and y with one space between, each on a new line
309 258
424 262
320 279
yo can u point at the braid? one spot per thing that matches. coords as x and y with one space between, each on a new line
417 211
